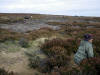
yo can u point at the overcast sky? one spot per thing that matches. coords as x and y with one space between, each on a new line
56 7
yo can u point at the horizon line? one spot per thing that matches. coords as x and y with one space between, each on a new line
47 14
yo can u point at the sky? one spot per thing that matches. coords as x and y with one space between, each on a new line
54 7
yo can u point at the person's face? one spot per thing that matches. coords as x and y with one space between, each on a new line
90 40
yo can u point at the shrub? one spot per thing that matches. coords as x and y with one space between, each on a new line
11 20
42 32
53 42
34 59
54 46
58 52
56 23
24 42
6 34
34 62
4 72
96 44
91 64
68 46
67 71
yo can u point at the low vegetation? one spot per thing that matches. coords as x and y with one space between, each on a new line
8 35
52 56
4 72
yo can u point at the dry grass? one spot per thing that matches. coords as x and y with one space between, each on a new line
6 20
30 35
56 23
8 35
42 32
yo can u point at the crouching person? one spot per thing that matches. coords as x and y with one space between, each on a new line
85 49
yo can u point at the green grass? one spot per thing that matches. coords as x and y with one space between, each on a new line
10 46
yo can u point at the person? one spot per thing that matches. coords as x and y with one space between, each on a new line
85 50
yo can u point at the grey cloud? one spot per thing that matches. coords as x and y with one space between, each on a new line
61 7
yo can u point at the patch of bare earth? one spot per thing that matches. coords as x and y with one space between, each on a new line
16 62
